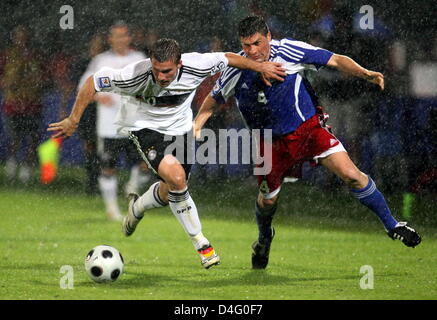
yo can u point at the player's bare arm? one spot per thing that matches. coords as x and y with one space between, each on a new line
269 70
68 126
349 66
205 112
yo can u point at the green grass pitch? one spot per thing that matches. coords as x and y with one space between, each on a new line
322 242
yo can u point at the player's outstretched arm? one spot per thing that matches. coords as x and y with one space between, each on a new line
269 70
68 126
349 66
205 112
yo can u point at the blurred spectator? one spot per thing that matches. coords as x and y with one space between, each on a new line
110 144
22 83
87 126
423 72
139 39
143 40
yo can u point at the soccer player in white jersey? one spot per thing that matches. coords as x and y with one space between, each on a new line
160 91
291 110
110 144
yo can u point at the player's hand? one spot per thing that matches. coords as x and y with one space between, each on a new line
376 78
65 128
272 71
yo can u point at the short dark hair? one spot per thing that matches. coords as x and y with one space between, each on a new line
251 25
166 49
119 24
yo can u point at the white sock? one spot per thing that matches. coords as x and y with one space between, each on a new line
184 209
199 241
149 200
109 187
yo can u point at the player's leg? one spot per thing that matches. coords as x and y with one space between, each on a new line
148 145
267 203
108 182
265 210
184 208
365 190
171 189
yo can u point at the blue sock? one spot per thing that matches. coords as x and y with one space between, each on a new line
374 200
264 217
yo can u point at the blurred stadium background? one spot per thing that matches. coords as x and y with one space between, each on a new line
391 135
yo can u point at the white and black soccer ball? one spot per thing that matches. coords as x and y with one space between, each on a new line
104 264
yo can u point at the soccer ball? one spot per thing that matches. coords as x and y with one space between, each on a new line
104 264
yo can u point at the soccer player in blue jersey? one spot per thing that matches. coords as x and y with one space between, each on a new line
291 110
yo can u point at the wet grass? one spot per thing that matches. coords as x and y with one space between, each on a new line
323 239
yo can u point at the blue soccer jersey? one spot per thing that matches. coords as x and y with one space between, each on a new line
284 106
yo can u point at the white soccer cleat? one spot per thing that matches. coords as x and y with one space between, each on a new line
130 221
208 256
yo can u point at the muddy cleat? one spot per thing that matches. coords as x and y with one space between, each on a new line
406 234
208 256
261 251
130 221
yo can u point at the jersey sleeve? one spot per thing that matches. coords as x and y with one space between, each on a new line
204 65
122 81
225 85
302 52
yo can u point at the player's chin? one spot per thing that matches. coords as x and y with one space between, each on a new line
164 84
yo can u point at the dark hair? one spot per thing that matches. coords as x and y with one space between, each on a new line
251 25
166 49
119 24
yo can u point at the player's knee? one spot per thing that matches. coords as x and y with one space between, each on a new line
176 181
354 179
267 203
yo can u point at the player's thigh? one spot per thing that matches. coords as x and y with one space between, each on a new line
153 148
340 164
270 183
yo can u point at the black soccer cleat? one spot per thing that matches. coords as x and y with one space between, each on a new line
406 234
261 251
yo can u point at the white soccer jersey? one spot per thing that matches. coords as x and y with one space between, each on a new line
106 113
165 110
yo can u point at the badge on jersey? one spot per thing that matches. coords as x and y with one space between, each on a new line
104 82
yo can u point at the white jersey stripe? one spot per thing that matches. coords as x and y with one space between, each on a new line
299 56
288 55
296 96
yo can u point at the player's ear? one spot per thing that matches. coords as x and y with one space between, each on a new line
180 64
269 36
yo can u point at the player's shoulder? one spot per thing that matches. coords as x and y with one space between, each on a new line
200 60
140 66
293 43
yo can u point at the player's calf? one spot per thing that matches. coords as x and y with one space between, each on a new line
261 251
